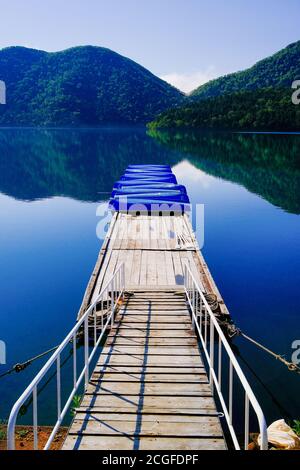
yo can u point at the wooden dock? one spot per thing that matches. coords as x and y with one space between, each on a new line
149 389
154 250
149 305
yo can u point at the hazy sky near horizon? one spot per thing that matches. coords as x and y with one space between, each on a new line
187 42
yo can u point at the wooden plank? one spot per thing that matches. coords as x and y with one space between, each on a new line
153 306
154 235
175 326
143 443
173 351
151 360
156 369
149 410
131 332
136 267
130 341
161 268
128 260
177 268
151 270
92 425
134 403
111 266
172 389
126 318
170 269
151 378
143 273
158 297
150 418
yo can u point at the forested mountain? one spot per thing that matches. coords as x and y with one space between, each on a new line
90 86
258 99
279 71
265 109
80 86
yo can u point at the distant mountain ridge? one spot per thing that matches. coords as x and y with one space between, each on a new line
257 99
83 85
278 70
91 86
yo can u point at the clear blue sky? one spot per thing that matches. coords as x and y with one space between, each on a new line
182 40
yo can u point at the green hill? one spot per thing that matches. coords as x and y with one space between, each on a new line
279 70
257 99
266 109
79 86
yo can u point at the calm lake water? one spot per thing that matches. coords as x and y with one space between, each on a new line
51 182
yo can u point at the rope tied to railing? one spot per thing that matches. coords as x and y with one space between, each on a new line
232 331
20 366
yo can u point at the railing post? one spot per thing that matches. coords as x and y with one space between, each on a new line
211 352
113 294
86 350
200 324
58 386
74 361
193 305
246 421
35 419
220 364
112 306
196 306
230 390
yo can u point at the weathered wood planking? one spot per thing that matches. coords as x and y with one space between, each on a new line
149 389
154 250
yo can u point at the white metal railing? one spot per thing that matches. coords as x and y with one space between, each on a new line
214 343
109 296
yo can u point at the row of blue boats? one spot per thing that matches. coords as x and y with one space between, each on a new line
149 189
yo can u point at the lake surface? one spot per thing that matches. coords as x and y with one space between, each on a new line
51 182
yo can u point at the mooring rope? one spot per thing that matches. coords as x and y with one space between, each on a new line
233 331
20 366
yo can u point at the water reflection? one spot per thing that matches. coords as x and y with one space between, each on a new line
83 164
268 165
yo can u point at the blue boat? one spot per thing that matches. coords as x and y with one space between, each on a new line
154 178
139 174
145 206
124 184
149 189
145 188
155 195
148 168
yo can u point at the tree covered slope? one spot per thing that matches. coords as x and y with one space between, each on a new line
259 98
279 71
80 86
266 109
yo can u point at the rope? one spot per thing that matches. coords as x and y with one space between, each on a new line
20 366
233 331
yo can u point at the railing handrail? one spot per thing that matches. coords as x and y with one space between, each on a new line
248 390
120 271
